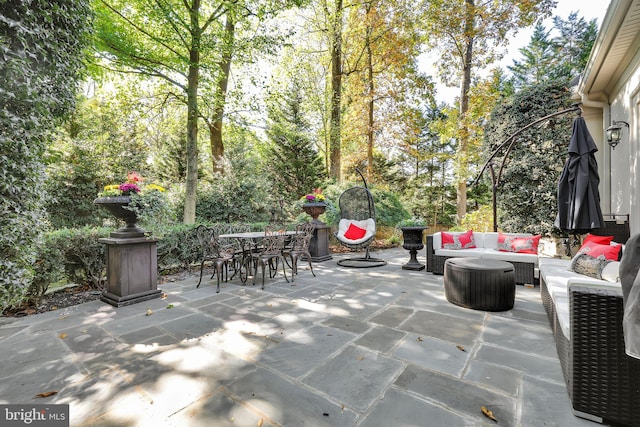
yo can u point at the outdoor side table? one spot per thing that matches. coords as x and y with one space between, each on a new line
480 284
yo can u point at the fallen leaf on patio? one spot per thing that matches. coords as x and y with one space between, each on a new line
55 307
342 407
487 413
260 422
359 358
164 296
46 394
269 305
461 348
149 312
419 339
170 306
62 317
62 336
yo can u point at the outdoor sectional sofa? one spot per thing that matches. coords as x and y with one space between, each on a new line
585 315
525 264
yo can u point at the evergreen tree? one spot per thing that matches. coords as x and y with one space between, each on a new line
294 164
562 57
573 46
538 59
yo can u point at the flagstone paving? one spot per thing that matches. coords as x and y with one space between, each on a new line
350 347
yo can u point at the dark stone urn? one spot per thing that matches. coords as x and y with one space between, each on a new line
116 207
315 210
132 258
412 237
319 245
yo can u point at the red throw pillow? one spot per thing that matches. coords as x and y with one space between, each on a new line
466 240
595 250
354 232
521 244
600 240
447 239
460 241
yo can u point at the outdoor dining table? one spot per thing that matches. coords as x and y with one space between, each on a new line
249 240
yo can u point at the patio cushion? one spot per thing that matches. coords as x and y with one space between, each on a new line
588 266
368 224
510 256
601 240
518 244
458 241
611 252
354 232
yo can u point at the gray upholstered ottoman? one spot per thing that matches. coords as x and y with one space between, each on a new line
481 284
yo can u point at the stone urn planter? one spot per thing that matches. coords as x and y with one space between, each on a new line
315 210
412 237
132 258
116 207
319 245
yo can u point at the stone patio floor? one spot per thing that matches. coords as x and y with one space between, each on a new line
350 347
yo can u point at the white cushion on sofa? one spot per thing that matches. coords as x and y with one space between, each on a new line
510 256
476 252
558 278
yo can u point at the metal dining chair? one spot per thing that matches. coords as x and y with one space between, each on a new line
300 247
212 250
269 256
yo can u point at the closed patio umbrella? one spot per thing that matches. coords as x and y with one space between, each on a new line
578 196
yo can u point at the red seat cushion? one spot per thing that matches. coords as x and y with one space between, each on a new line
354 232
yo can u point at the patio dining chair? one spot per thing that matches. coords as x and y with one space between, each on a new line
212 250
269 256
300 247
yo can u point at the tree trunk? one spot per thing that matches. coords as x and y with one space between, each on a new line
336 93
370 123
463 147
215 129
192 122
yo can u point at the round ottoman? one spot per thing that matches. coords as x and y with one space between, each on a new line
481 284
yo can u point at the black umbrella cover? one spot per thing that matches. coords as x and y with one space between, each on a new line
578 196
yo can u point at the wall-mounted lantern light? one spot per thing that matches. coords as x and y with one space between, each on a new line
614 133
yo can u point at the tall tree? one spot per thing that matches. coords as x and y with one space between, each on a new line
537 61
383 87
335 20
562 57
176 41
468 35
573 44
162 39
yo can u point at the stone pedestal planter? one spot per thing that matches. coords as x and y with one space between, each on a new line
319 245
132 258
412 237
132 270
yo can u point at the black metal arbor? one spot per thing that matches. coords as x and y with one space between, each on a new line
506 147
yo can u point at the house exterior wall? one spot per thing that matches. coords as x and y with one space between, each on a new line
624 171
